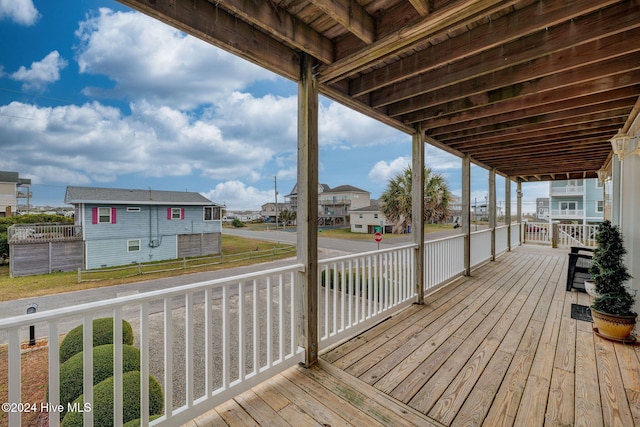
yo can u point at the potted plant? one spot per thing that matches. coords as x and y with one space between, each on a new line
612 312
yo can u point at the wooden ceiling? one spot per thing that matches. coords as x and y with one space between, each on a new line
533 88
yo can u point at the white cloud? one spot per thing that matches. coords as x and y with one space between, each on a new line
148 59
22 12
99 143
342 127
236 195
382 171
41 73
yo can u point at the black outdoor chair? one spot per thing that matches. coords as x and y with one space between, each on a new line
579 265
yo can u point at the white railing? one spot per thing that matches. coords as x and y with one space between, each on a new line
567 213
35 233
443 260
480 247
577 235
205 342
516 234
573 190
357 291
209 341
502 239
537 232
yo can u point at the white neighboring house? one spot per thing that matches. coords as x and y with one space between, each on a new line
244 216
369 219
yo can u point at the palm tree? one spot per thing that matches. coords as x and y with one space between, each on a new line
395 201
287 217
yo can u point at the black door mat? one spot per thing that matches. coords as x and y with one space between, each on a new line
581 312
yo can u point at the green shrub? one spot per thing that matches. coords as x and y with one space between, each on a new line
237 223
71 370
103 401
136 422
102 334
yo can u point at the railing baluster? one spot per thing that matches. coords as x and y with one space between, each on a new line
269 348
117 367
144 363
168 356
226 353
256 330
15 378
87 370
188 352
54 373
281 319
241 332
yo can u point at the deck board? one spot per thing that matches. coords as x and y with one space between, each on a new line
498 348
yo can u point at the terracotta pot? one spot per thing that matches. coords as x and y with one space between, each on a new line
612 327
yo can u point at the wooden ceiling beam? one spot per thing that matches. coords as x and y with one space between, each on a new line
503 85
471 71
455 15
350 15
557 140
228 33
583 117
281 25
532 105
521 36
421 6
543 121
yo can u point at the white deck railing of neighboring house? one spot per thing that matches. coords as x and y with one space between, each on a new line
210 341
34 233
567 213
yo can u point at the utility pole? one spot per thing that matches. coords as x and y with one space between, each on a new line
275 189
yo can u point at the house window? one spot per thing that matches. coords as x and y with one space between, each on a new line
599 206
103 215
571 206
133 245
175 213
359 215
375 216
358 225
133 209
211 213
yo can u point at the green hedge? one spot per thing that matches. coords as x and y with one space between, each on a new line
71 371
102 334
137 423
103 401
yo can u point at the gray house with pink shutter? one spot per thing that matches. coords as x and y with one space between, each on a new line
124 226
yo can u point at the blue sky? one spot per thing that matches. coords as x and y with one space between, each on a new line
95 94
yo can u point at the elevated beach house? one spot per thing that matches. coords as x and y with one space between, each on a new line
123 226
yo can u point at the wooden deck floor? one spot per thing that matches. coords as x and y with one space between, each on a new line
497 348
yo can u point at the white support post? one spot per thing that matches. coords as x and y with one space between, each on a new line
492 211
507 210
466 212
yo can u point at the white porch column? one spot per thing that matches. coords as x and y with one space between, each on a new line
417 209
629 214
492 211
307 230
519 209
466 212
507 209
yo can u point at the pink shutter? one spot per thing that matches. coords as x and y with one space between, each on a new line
169 214
181 213
113 215
94 215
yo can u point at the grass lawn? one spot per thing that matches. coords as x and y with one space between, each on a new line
46 284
